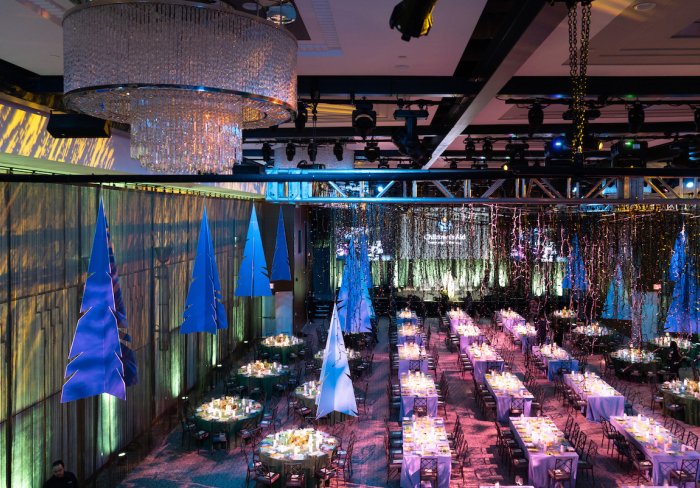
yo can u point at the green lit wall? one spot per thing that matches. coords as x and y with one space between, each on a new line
45 239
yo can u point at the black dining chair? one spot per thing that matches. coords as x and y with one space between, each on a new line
420 406
429 472
561 472
688 473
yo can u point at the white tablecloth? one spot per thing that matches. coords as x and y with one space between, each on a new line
410 470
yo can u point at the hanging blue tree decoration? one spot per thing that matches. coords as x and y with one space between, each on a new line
575 277
280 261
364 262
95 356
617 302
253 278
131 376
684 311
204 308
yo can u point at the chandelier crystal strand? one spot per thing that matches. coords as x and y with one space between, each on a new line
188 77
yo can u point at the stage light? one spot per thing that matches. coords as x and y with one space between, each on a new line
635 117
290 151
487 150
696 115
302 117
535 118
516 152
469 149
406 139
689 183
364 119
266 152
628 153
453 165
338 151
413 18
504 167
312 151
480 165
380 189
383 164
372 151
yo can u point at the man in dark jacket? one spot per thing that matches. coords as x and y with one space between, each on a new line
61 478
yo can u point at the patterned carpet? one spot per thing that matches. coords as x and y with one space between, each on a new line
169 465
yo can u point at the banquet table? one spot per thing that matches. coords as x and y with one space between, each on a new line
417 385
263 375
602 399
226 414
623 359
554 358
484 358
308 447
527 335
509 318
532 433
408 333
406 316
468 335
656 443
683 394
504 387
425 436
282 345
458 319
411 352
354 357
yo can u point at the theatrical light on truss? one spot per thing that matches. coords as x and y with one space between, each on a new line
338 151
284 13
696 116
487 150
535 118
383 164
469 149
312 151
453 164
635 117
364 119
372 151
266 152
413 18
302 117
290 151
186 115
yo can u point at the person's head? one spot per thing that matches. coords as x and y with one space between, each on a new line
58 469
674 346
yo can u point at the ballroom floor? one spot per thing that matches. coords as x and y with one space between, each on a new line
169 465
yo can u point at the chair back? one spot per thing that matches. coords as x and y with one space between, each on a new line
420 406
564 465
690 467
517 403
573 437
692 440
428 469
414 365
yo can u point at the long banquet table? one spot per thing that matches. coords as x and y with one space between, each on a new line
505 387
539 461
468 335
417 385
554 358
484 358
650 437
602 399
408 333
411 352
425 436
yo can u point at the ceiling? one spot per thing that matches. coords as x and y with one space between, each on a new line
478 55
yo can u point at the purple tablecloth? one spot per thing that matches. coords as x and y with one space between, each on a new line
663 462
404 339
410 470
599 407
539 462
553 365
504 401
482 365
466 341
457 321
403 365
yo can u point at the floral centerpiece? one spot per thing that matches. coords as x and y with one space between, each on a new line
281 340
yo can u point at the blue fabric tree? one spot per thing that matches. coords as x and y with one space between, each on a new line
280 261
95 356
253 278
684 311
131 376
575 277
204 308
617 302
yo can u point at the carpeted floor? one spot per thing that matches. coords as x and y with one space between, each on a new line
169 465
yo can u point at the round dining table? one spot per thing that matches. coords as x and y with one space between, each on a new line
282 345
263 375
226 414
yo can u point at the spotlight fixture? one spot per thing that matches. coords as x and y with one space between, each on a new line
383 164
284 13
480 164
469 149
505 167
290 151
372 151
304 164
635 117
312 151
453 164
266 152
696 116
338 151
516 153
628 153
302 117
406 138
535 118
364 119
413 18
487 150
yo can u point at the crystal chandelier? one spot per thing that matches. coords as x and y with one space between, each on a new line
187 76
